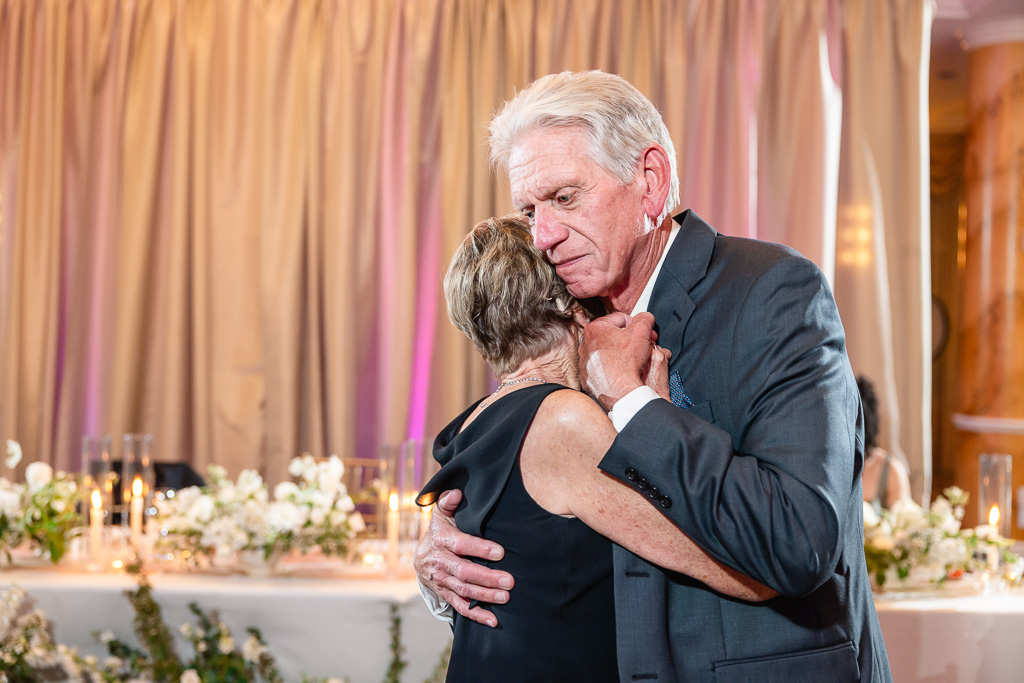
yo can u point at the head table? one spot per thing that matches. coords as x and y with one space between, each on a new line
955 635
339 627
322 627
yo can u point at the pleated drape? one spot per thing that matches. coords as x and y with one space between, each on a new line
225 223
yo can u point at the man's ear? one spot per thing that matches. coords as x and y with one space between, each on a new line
657 180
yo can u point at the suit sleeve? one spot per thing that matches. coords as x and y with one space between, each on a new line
771 496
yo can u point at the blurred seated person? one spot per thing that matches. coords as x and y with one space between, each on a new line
886 477
525 459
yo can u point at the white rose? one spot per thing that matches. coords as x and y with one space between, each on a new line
190 676
284 517
249 482
336 467
227 495
318 515
327 482
285 490
13 454
201 510
37 475
10 502
356 522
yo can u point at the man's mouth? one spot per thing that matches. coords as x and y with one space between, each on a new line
567 262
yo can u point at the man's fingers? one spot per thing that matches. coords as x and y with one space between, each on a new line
616 318
477 614
465 545
470 591
644 325
476 576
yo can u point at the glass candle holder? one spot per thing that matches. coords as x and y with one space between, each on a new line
138 478
994 491
98 477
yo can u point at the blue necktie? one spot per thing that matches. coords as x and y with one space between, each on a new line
676 393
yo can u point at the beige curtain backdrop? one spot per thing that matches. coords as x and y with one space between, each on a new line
225 223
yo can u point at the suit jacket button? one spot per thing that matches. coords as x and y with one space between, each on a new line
643 485
653 493
631 474
665 502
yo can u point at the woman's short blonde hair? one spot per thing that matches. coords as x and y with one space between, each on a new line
504 296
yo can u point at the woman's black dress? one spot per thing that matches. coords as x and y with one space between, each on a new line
559 622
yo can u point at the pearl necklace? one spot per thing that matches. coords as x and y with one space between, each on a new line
509 383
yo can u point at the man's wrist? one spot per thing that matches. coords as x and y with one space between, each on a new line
629 405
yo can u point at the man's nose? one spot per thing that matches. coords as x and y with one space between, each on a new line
548 232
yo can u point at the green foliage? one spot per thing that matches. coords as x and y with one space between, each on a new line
441 668
394 673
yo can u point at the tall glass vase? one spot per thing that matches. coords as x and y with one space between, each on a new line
994 479
138 478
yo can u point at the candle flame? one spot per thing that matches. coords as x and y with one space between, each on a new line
137 486
993 515
393 502
97 501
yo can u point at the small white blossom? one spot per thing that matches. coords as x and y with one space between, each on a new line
190 676
38 474
13 454
226 644
252 650
286 490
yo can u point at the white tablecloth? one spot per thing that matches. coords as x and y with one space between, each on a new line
316 627
339 627
954 638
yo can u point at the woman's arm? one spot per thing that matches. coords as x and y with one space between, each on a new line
898 484
567 440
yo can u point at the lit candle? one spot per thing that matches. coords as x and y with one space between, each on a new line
96 525
993 552
392 562
136 515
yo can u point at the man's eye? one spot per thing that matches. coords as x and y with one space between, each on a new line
563 198
528 213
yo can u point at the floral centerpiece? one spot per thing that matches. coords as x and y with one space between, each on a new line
225 517
912 545
40 511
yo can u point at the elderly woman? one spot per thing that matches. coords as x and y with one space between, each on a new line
526 458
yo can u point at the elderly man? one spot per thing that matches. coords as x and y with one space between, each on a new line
758 456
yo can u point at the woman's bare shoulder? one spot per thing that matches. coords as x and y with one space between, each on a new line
570 418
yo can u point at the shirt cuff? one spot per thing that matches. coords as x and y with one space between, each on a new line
629 405
441 610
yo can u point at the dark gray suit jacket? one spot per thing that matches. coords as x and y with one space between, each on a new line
763 470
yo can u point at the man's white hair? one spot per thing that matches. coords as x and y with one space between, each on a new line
618 121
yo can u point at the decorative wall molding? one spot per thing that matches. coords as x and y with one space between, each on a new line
988 425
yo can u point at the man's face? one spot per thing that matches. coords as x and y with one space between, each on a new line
585 221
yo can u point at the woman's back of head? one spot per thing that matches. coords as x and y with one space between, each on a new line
505 296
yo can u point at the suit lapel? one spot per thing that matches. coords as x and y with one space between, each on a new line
686 264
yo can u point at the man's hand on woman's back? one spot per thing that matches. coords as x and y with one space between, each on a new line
443 566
